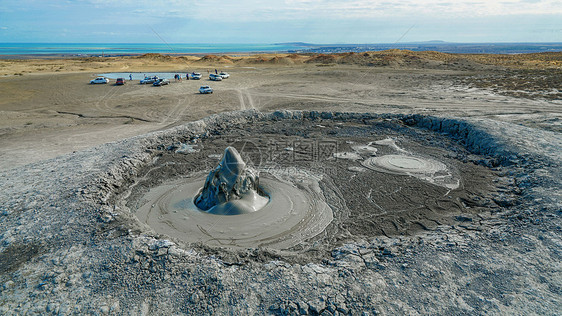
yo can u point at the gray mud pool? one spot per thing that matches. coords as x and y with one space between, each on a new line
319 197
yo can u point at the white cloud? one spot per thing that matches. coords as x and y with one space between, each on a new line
290 20
369 8
254 10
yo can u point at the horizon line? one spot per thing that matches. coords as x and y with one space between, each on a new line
294 42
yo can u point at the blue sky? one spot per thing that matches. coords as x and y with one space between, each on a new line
252 21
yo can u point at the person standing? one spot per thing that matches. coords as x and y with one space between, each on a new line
131 77
216 72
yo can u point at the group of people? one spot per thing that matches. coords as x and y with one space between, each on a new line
178 77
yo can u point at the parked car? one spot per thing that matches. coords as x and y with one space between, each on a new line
215 77
148 80
161 82
205 90
224 75
196 76
120 81
99 80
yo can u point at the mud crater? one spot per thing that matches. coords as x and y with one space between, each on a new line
365 202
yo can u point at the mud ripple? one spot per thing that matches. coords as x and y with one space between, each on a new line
295 212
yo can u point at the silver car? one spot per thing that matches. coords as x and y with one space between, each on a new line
161 82
215 77
148 80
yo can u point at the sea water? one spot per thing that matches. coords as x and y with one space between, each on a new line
118 49
115 49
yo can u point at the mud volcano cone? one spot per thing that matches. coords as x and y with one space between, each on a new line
231 188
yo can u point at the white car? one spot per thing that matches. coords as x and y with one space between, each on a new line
215 77
196 76
205 90
224 75
99 80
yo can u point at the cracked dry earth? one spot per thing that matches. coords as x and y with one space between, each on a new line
71 241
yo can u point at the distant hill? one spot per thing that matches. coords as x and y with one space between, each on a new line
396 58
303 44
435 45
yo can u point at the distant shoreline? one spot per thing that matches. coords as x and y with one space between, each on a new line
81 50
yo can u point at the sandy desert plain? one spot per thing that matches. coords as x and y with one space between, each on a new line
478 234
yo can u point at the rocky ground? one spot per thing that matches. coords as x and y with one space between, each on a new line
66 248
532 84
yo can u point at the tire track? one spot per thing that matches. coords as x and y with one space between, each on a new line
243 95
176 113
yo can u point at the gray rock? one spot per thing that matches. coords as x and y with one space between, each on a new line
303 308
317 305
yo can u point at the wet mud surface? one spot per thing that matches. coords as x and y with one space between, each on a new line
365 203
